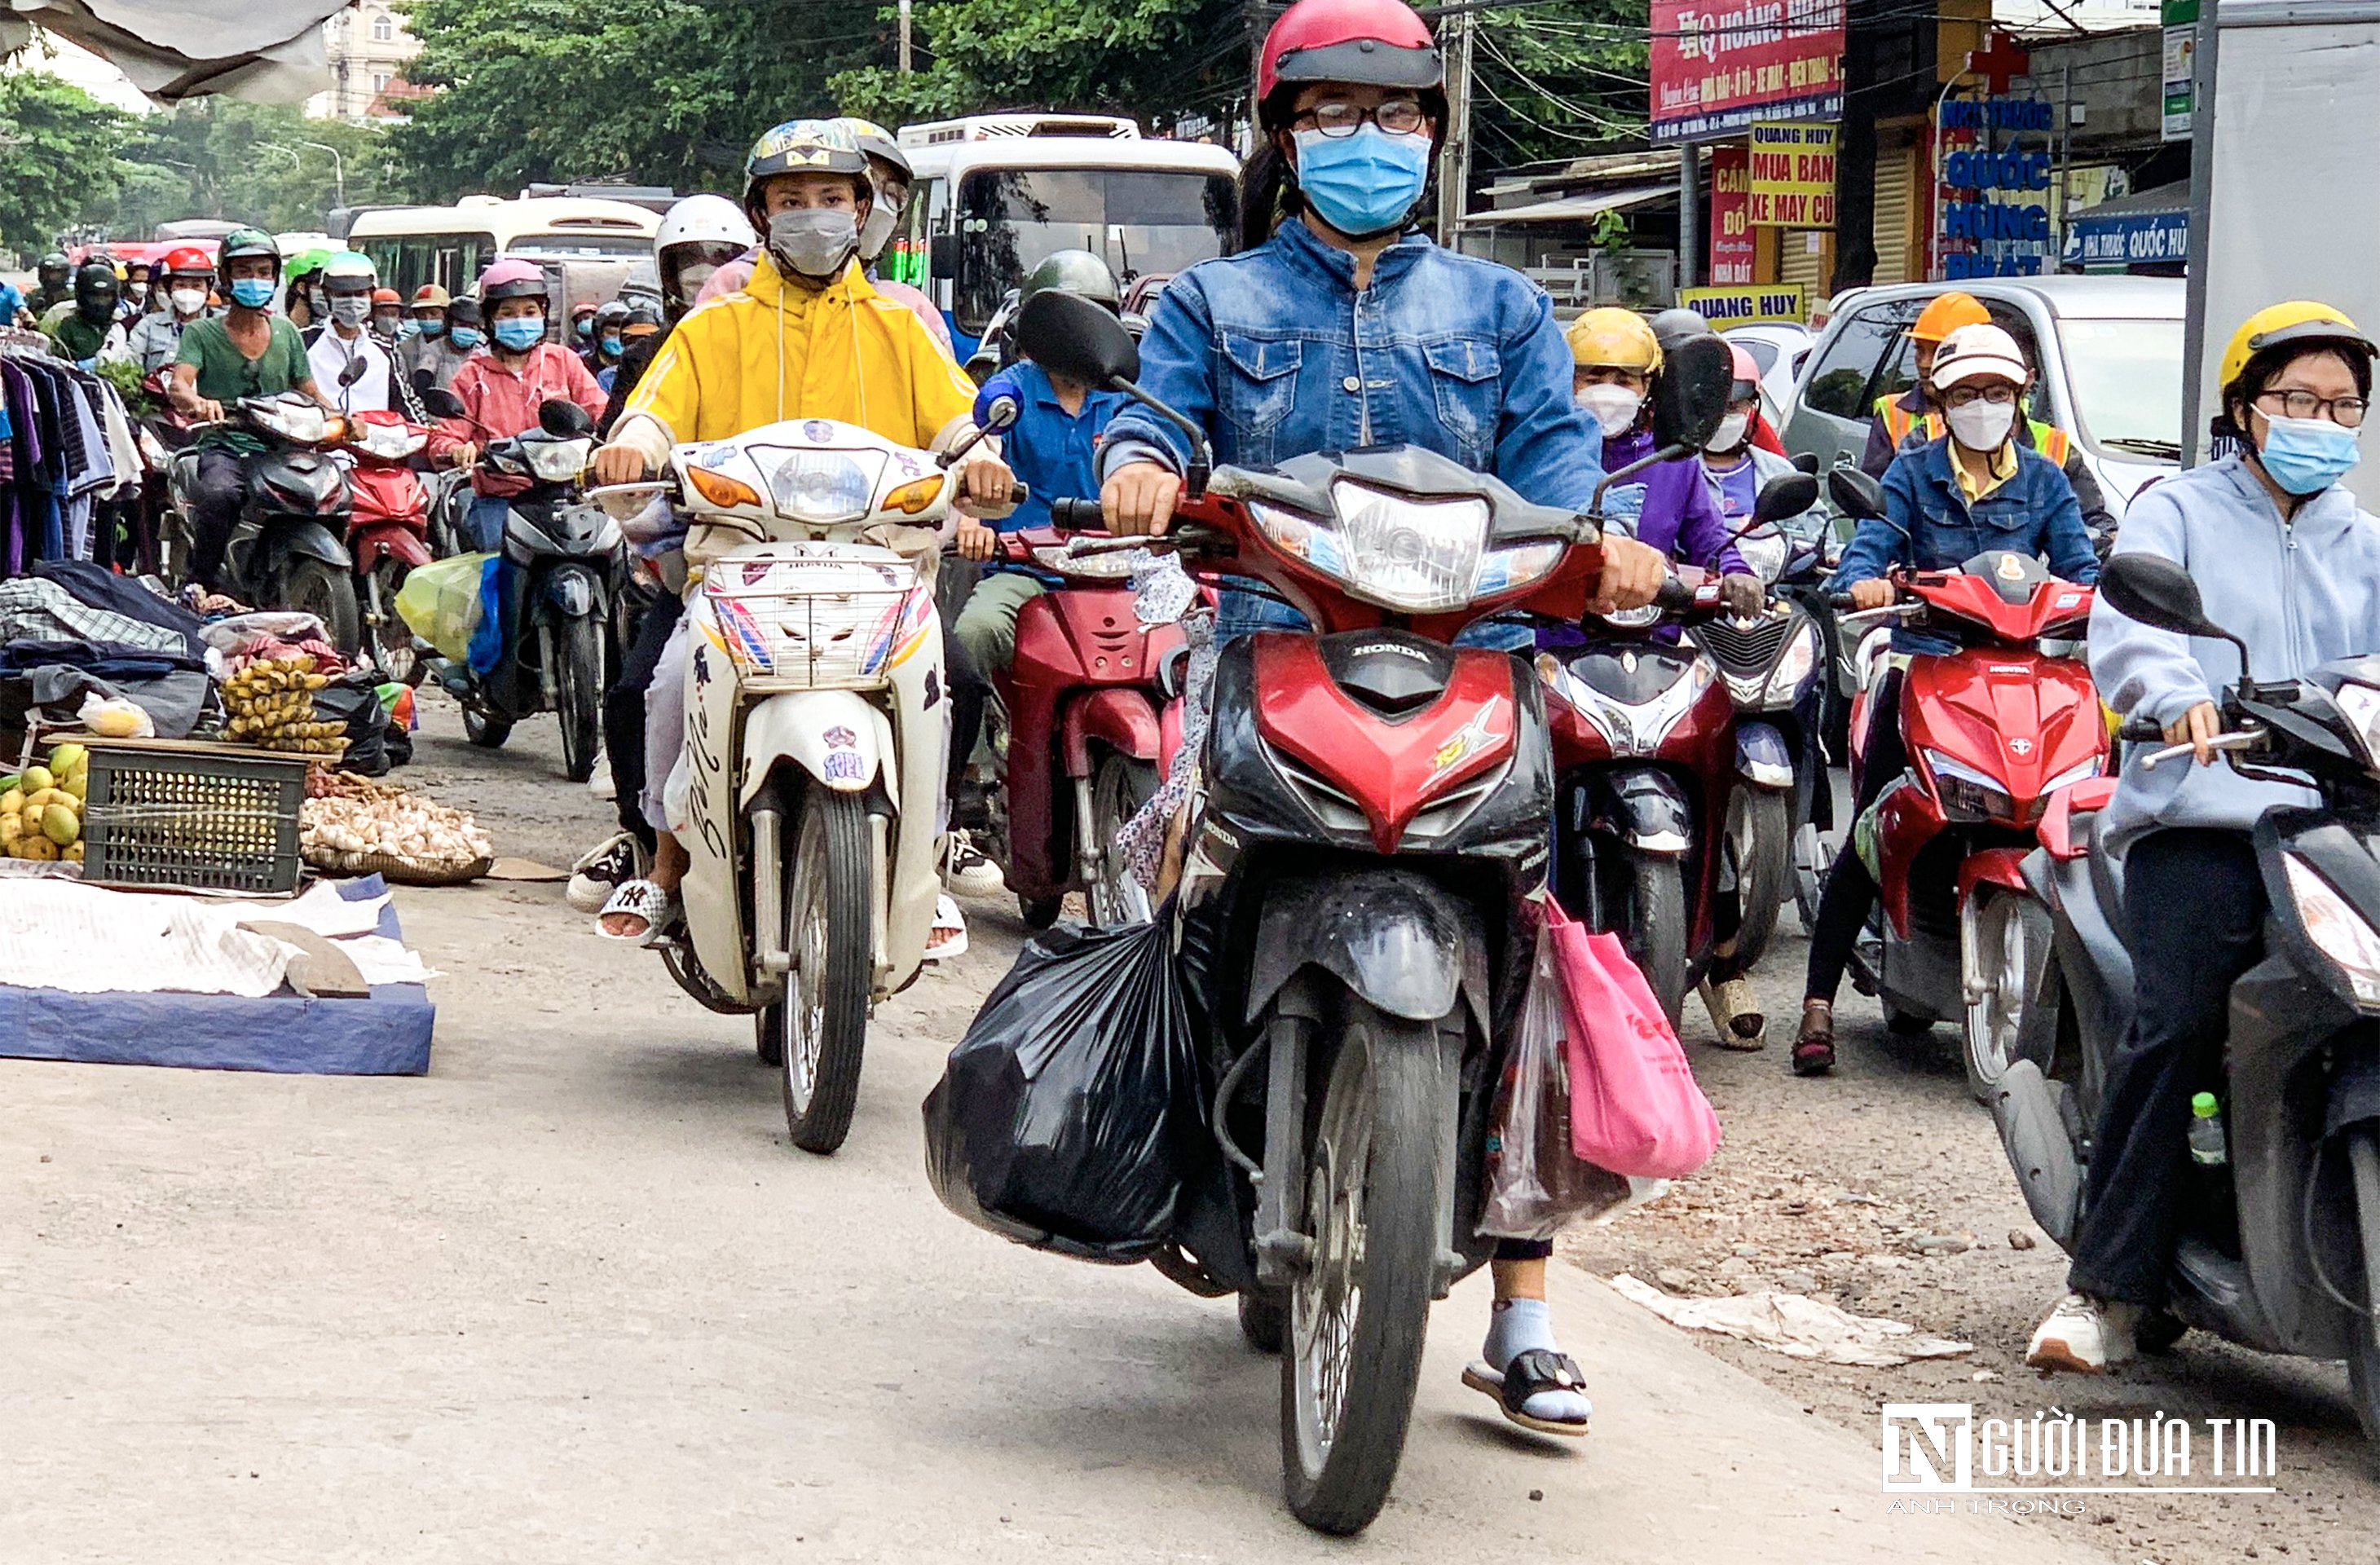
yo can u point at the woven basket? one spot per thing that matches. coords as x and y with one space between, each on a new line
396 871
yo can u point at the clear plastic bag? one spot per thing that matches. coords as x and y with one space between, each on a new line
440 603
1536 1185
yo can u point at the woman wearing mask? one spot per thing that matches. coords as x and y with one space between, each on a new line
1339 325
155 341
807 338
2285 559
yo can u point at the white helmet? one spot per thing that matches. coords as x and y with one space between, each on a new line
698 236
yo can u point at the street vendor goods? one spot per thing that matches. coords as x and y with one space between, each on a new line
351 825
41 808
271 704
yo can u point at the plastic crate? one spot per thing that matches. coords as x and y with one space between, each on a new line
206 818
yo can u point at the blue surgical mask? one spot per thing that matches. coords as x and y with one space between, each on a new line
612 347
1363 184
465 337
2306 455
584 329
521 334
252 293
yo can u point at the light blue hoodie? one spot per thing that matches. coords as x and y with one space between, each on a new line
2300 593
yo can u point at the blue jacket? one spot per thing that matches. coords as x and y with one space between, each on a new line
1927 525
1054 452
2302 593
1275 355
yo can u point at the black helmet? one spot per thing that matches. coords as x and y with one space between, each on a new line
1072 271
56 263
804 146
95 284
244 242
1674 325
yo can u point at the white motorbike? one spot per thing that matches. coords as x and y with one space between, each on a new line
817 727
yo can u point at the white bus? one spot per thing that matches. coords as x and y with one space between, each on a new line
996 193
451 245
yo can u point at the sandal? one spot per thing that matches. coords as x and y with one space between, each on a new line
1530 1374
1736 1024
948 936
640 899
1813 1046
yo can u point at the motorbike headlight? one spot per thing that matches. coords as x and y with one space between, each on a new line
2071 775
557 461
1633 619
2360 703
1765 552
821 487
2336 929
1793 666
1966 793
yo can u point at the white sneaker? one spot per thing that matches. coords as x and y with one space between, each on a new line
603 870
2087 1335
967 872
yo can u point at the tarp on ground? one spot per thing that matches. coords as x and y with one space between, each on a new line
265 51
387 1034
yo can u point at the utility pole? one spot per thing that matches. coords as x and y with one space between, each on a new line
1454 159
1689 216
338 167
906 64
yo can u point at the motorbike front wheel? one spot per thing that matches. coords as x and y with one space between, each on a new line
1652 925
2363 1363
1121 786
1357 1313
579 691
309 586
822 1024
2010 937
483 729
391 637
1759 844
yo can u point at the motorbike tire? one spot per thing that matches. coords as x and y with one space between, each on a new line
1811 860
309 586
393 648
578 692
1119 788
822 1020
1263 1322
485 729
1653 925
1372 1211
1760 837
2363 1362
2011 1022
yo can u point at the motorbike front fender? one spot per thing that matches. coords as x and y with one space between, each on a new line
1648 810
1119 718
1397 939
310 541
390 540
836 737
1761 758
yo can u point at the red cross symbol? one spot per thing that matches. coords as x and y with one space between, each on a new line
1998 63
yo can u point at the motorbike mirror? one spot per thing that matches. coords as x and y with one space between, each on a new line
2153 590
998 404
1788 494
1075 337
1690 393
357 368
439 402
564 419
1808 463
1855 494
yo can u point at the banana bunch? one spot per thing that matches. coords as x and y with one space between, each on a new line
271 704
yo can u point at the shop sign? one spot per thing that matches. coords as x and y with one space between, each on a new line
1792 176
2140 239
1739 307
1718 67
2180 18
1730 215
1993 211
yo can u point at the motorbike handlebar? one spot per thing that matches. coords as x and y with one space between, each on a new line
2140 730
1673 595
1078 515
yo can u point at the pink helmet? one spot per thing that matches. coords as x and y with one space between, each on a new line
511 278
1746 374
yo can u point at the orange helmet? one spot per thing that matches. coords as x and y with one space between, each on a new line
387 295
1946 314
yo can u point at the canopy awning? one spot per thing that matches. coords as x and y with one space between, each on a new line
266 50
1570 209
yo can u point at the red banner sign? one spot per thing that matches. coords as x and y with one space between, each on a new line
1730 215
1718 68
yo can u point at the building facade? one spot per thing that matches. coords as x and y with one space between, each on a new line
368 49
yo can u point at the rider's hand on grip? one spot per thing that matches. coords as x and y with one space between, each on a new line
619 464
1077 516
975 542
1876 592
2195 728
1139 498
1634 573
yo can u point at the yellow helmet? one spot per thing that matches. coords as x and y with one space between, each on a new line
1614 337
2296 322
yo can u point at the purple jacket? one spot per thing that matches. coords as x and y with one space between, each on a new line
1678 513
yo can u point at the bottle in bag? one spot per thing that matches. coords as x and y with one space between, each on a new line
2207 1131
2211 1166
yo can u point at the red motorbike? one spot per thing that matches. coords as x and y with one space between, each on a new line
1354 912
388 532
1084 744
1995 731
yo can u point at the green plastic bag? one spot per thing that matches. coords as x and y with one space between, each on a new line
440 603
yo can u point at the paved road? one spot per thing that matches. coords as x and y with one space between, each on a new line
573 1297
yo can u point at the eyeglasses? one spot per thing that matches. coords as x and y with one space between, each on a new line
2347 412
1397 117
1963 396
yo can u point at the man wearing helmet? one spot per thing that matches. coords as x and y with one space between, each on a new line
52 283
248 351
354 361
157 336
809 337
86 329
431 354
2284 557
601 349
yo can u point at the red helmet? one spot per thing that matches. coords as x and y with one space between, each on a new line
190 259
1377 42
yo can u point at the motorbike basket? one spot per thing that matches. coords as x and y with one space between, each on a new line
787 641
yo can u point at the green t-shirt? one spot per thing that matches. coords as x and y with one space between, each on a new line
226 374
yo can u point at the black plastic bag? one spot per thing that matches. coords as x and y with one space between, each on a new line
1066 1115
354 700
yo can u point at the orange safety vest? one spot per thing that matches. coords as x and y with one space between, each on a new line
2053 443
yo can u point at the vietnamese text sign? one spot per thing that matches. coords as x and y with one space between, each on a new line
1717 68
2140 239
2180 18
1992 210
1793 183
1730 215
1735 307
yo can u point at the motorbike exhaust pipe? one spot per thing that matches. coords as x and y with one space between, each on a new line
769 952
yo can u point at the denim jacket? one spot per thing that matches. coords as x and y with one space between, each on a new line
1274 353
1929 526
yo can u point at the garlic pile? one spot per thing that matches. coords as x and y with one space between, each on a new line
364 821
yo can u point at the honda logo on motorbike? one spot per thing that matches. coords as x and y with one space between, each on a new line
2019 748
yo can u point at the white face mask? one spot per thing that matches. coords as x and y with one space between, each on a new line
189 301
877 232
1981 426
1614 407
1729 434
691 278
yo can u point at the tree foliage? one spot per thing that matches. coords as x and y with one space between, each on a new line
249 163
58 147
1559 79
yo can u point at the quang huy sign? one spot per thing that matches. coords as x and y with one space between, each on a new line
1792 176
1717 68
1737 306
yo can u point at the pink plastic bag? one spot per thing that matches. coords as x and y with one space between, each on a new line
1634 1107
1536 1185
